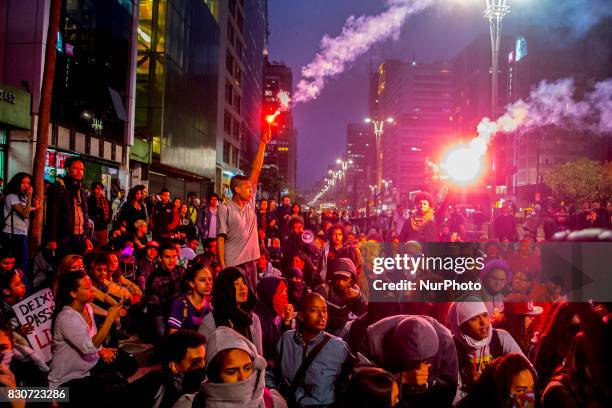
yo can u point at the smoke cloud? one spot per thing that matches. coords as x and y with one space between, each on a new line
553 104
358 35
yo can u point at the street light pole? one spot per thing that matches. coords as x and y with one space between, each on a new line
495 12
378 131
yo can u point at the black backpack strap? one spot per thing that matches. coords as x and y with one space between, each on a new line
495 346
301 372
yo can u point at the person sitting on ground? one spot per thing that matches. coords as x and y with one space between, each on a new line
146 264
12 291
7 265
77 342
477 342
182 372
235 376
507 382
188 311
324 359
421 351
342 294
233 302
162 287
275 313
370 387
518 320
495 277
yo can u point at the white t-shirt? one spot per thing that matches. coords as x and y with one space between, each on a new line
74 353
19 225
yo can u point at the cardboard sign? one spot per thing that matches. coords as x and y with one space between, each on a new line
37 309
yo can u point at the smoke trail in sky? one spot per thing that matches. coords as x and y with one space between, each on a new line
358 35
551 104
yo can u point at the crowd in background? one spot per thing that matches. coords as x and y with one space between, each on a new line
263 303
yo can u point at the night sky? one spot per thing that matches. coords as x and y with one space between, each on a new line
297 26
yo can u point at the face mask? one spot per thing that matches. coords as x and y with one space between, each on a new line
525 400
279 302
6 357
192 380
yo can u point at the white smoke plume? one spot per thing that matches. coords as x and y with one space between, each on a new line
358 35
553 104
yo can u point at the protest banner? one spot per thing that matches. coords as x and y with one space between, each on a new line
37 309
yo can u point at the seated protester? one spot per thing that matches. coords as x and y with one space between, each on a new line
233 302
8 380
146 263
370 387
77 342
16 354
518 320
188 311
264 266
235 376
495 277
12 291
507 382
477 342
274 312
97 269
182 372
7 265
43 266
296 286
562 324
123 287
139 237
421 351
521 287
311 362
341 294
276 253
162 287
575 384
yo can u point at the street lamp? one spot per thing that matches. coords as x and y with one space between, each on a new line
495 12
378 131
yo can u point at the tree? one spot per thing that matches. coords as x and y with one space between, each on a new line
583 179
271 181
44 117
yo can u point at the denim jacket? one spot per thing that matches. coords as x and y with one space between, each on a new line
318 386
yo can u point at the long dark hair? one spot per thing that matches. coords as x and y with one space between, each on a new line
225 309
68 281
132 193
576 373
492 389
554 341
370 387
515 325
14 185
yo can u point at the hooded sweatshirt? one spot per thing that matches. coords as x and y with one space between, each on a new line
397 341
493 301
271 322
244 394
474 355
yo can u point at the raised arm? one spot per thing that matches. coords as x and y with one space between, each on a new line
259 158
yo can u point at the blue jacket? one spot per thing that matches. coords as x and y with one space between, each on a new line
319 383
203 221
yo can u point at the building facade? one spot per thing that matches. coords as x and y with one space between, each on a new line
419 97
176 112
281 153
91 112
361 150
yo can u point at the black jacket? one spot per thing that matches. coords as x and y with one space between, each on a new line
60 208
97 213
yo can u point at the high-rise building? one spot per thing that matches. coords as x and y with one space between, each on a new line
361 150
243 30
91 112
419 97
538 54
176 99
281 153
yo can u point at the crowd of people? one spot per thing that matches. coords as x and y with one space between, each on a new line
261 304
